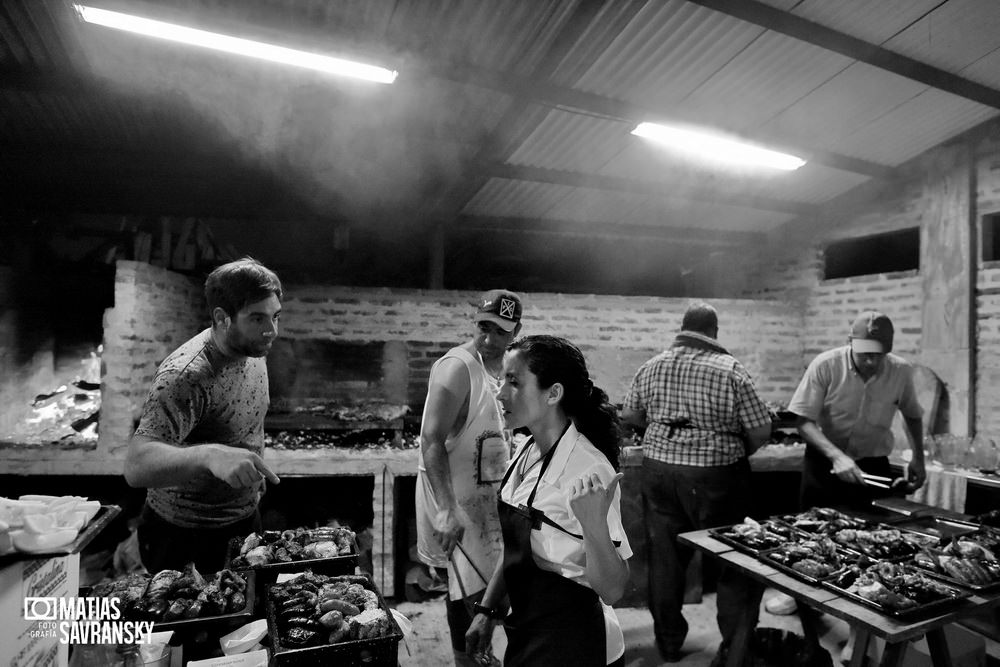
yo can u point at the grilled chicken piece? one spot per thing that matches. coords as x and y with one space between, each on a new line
161 584
878 593
252 541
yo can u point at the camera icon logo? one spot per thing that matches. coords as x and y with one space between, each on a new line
40 609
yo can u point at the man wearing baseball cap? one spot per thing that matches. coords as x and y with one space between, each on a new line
846 402
463 455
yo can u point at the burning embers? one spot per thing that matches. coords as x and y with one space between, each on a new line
68 416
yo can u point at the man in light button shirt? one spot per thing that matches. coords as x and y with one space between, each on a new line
846 402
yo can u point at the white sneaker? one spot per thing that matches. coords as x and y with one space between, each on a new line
780 604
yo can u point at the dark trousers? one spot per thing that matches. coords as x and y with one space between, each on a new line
821 488
678 499
164 546
459 614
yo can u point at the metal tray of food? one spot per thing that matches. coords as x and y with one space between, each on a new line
885 542
937 526
233 619
955 596
777 533
969 560
951 577
340 564
371 652
781 559
219 622
824 520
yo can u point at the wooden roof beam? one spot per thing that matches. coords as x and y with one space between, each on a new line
662 190
688 236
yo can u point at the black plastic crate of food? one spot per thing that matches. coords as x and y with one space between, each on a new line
375 652
724 534
267 574
958 597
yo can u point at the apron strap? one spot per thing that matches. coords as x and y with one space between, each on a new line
537 516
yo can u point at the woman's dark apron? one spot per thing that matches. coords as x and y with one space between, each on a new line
553 621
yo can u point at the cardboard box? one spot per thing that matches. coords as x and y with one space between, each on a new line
31 642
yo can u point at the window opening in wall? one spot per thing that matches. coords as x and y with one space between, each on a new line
991 237
878 253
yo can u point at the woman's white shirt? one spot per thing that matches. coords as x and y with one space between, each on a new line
552 549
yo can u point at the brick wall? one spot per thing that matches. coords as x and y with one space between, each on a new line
988 351
616 333
9 371
827 307
987 377
156 310
794 275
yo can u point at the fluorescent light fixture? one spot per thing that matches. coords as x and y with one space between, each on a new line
714 146
243 47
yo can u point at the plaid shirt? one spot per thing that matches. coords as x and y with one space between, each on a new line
698 401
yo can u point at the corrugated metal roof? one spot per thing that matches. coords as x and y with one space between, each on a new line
431 138
522 199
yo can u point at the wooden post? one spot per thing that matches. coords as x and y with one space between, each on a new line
436 269
383 525
949 279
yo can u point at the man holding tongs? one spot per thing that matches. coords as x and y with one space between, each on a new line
846 402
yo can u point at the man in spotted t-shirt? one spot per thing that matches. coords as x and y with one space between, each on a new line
199 444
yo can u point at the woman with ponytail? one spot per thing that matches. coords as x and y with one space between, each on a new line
565 549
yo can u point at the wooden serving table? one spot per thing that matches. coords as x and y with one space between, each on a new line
813 600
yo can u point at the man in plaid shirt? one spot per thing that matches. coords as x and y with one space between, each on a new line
703 417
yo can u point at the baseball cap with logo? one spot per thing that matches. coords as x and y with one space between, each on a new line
501 307
871 332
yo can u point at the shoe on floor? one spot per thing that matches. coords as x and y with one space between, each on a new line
723 654
671 653
780 605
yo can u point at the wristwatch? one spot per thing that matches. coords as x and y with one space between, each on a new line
489 611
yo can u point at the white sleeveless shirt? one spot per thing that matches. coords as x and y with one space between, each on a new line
478 456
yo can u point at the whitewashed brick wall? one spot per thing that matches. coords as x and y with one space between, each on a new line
156 310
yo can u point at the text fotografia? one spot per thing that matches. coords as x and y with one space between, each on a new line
84 621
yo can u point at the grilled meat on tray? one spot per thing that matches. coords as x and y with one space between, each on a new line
896 587
287 546
316 610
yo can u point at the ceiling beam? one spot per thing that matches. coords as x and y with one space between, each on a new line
687 236
518 119
661 190
544 92
820 35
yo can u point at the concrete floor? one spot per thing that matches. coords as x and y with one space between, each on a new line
429 646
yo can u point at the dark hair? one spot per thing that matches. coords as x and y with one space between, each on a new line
701 318
553 360
234 285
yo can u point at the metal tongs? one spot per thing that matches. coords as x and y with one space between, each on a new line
877 481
